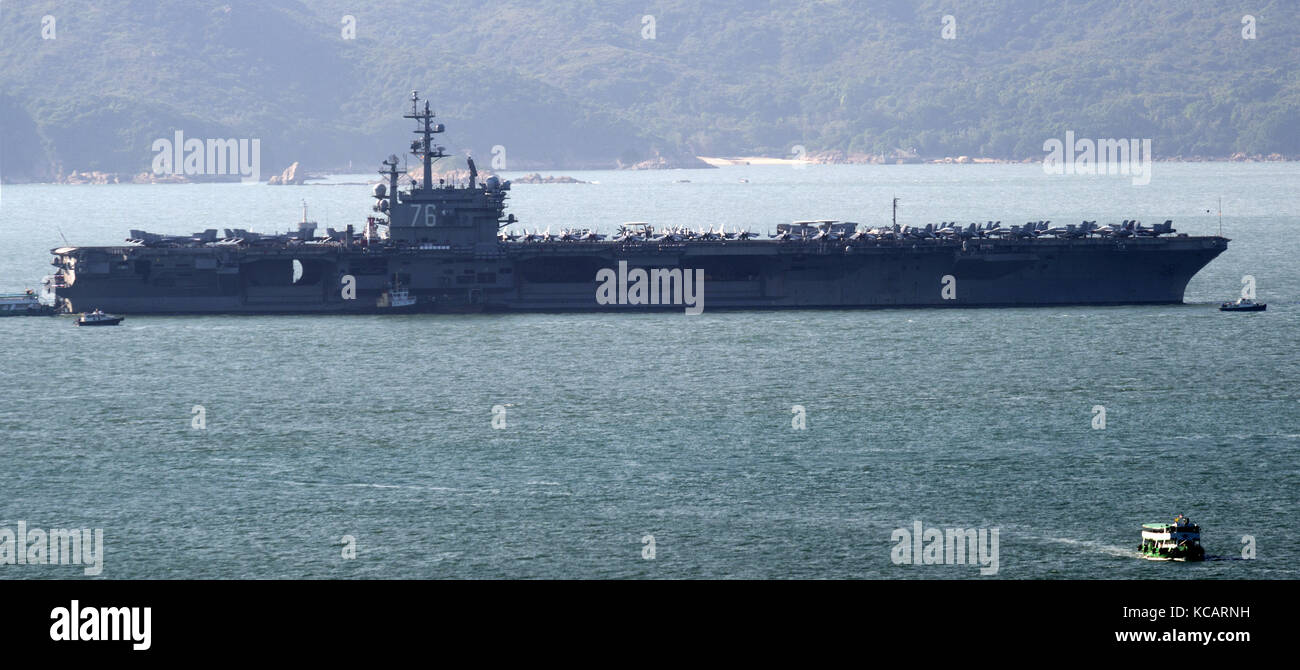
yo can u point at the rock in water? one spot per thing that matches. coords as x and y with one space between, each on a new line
294 174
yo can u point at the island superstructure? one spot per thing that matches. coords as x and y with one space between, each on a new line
451 247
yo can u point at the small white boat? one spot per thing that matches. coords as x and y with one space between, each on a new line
395 298
400 297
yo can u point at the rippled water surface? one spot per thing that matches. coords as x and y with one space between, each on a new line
622 426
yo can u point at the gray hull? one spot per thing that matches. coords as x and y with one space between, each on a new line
738 274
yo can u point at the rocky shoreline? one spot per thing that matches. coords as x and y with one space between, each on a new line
537 178
292 175
97 177
295 174
660 162
844 158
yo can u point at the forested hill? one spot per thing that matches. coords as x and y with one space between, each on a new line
578 84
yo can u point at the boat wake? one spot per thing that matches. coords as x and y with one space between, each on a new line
1093 546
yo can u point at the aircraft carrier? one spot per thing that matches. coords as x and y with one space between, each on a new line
450 247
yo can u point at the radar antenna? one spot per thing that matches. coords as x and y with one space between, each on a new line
391 172
424 148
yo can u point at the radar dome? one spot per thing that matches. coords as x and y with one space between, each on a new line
380 190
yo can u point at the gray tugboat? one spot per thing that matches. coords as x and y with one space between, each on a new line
450 247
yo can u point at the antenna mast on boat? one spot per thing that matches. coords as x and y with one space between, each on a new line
1220 216
424 148
895 221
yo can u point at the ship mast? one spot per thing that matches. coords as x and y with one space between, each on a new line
424 148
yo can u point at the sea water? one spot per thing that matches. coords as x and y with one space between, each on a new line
787 444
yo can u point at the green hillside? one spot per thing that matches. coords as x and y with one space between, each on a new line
574 84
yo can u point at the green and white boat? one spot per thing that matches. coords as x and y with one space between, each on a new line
1177 541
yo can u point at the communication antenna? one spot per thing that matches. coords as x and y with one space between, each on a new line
1220 216
66 243
895 221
